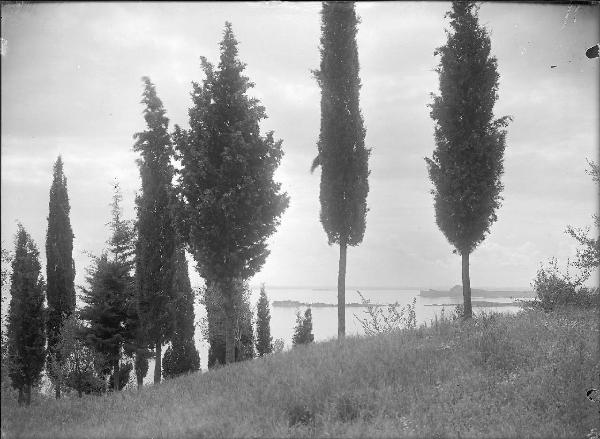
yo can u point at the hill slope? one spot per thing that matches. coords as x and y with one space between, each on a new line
498 376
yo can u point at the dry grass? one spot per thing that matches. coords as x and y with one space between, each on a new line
498 376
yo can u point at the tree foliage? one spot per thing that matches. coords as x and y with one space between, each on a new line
467 163
303 330
110 300
229 199
155 247
60 267
342 154
588 252
26 315
182 356
264 341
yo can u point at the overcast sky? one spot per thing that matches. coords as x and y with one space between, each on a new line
71 85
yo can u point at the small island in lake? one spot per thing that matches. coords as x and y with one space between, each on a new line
456 291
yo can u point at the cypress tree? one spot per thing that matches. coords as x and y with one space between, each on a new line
26 326
156 242
303 330
182 356
264 341
342 154
109 299
230 201
60 268
467 163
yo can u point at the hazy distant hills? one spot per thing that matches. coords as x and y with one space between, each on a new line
456 291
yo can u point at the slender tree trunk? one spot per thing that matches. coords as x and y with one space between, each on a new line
466 281
57 390
116 377
158 361
140 381
342 291
21 398
79 392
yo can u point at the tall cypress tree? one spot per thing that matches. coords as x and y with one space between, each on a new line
231 203
26 331
156 229
342 154
60 268
182 356
467 163
264 341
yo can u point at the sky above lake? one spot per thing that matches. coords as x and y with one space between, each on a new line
71 85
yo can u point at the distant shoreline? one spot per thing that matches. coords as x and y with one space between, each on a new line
456 291
295 304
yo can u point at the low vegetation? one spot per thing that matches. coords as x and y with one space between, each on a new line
522 375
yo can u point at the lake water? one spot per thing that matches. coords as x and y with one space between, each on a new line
283 319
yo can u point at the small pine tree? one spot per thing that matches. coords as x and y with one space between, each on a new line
303 330
232 204
26 325
111 294
60 268
156 244
264 341
467 163
342 154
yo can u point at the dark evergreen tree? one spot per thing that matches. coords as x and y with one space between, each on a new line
342 154
182 356
467 163
229 199
303 330
156 228
264 341
60 267
26 325
111 296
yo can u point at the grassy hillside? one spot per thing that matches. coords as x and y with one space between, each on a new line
498 376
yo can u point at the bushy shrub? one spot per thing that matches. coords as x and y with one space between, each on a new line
555 288
380 319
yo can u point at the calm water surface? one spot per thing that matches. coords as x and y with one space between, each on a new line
283 319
